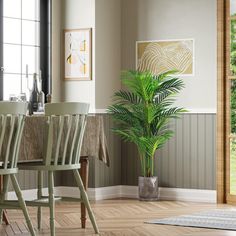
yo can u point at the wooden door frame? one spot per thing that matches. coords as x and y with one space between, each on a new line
221 102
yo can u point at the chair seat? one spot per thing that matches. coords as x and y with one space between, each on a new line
39 165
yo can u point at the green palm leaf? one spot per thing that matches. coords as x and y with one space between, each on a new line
143 111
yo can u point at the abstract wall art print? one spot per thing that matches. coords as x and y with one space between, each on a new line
78 53
160 56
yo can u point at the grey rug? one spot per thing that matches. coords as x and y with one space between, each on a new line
213 219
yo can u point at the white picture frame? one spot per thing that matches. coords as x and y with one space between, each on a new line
78 54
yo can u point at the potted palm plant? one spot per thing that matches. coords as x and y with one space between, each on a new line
142 112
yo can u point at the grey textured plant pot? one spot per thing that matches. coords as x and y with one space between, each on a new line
148 188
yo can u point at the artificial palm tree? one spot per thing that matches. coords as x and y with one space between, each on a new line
143 111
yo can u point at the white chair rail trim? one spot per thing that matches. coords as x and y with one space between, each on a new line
189 111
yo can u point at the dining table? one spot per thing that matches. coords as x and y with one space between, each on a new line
94 145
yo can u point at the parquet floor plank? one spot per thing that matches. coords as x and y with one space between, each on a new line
120 217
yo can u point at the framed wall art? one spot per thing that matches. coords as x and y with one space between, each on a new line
78 54
159 56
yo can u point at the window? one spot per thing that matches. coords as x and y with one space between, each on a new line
25 32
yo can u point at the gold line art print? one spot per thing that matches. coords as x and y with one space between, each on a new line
160 56
77 54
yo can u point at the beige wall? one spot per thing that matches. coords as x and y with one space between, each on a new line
117 25
177 19
108 50
79 14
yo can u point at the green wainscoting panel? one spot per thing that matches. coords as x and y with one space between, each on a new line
188 160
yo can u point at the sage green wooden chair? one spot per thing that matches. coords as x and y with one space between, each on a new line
12 118
66 125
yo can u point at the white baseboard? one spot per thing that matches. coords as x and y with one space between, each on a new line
192 195
174 194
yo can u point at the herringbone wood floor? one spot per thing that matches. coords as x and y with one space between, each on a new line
116 218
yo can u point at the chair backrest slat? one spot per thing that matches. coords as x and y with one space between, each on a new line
61 126
12 122
82 129
77 119
17 134
50 141
65 132
3 129
19 137
69 124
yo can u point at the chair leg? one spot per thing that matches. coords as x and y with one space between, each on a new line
6 179
39 195
51 201
22 203
84 198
